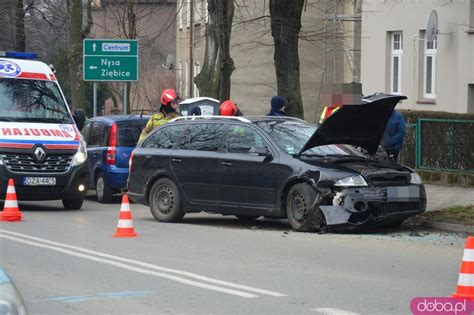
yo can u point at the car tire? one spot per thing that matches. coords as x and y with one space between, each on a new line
103 192
73 203
302 208
165 201
247 217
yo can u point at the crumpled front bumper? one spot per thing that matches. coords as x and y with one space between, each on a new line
374 205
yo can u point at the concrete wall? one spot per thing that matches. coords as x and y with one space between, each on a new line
455 64
254 78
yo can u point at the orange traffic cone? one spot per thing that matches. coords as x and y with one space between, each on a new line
10 212
125 224
465 288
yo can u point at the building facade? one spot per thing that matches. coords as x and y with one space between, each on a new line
254 80
436 74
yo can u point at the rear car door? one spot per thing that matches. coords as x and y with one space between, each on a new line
153 157
248 181
195 162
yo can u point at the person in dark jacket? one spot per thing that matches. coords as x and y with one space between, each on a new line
394 134
278 105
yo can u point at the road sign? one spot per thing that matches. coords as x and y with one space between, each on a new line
110 60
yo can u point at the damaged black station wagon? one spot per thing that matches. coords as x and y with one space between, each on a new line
278 167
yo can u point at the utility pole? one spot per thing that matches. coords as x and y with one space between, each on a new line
191 46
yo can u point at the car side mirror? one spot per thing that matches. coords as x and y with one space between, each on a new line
260 151
79 118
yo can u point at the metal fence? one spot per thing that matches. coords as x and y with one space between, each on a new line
440 144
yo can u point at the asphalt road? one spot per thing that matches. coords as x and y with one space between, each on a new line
67 262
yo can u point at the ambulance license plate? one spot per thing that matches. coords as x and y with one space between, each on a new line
39 181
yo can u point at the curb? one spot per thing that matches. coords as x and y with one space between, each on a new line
451 227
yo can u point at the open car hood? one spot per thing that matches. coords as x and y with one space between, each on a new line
360 125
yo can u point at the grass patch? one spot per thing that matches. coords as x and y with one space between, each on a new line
458 215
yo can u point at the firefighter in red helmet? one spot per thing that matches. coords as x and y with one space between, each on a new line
228 108
168 110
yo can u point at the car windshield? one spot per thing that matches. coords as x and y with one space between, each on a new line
32 101
292 136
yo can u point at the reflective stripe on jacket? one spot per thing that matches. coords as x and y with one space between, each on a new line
155 121
328 111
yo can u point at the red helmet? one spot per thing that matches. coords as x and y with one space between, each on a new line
167 96
228 108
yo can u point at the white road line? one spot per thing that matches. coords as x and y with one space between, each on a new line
333 311
131 268
142 264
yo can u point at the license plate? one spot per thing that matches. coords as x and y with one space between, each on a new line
403 193
39 181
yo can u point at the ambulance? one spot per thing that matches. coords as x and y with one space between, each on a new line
41 147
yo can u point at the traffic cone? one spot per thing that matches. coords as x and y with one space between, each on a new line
10 212
465 288
125 224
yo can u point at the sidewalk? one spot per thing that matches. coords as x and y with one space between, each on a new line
440 197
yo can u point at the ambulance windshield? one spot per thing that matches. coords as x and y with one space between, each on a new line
32 101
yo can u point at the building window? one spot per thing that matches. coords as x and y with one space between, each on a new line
471 16
185 80
180 14
180 72
429 87
197 70
187 10
197 12
396 64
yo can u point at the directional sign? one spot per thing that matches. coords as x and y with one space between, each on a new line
110 60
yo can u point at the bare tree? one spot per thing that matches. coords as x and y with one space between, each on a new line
135 19
214 78
77 32
286 26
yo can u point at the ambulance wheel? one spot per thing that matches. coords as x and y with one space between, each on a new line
73 203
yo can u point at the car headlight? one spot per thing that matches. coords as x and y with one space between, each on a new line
415 179
355 180
81 154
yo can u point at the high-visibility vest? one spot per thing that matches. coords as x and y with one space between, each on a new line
327 111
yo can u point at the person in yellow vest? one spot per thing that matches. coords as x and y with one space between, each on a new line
328 111
168 110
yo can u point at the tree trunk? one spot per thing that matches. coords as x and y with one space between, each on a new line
76 35
214 78
286 25
20 35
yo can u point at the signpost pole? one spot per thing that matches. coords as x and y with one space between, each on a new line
94 101
125 98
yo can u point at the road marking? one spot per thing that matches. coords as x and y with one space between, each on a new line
333 311
100 296
131 268
142 264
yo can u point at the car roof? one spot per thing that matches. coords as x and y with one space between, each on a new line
242 119
29 69
119 118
